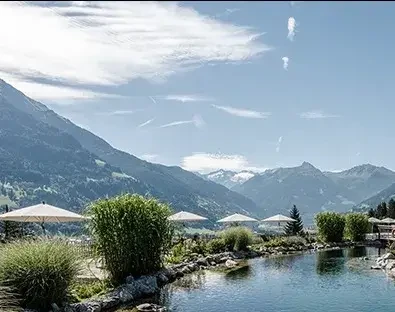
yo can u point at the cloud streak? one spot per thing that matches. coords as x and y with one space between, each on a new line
285 60
291 28
242 112
278 144
316 115
110 43
196 120
118 113
205 163
145 123
187 98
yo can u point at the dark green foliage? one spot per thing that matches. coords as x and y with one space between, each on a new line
391 209
382 211
372 213
330 226
40 272
356 226
12 230
216 245
132 233
294 228
237 238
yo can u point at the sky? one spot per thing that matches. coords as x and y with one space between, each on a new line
210 85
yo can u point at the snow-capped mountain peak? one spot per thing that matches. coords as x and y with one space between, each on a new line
229 178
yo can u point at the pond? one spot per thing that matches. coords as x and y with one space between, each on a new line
330 281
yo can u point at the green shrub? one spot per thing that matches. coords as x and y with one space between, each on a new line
132 233
330 226
216 245
84 290
287 241
237 238
356 226
177 254
40 272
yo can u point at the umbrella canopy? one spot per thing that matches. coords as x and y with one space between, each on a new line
42 213
374 220
237 218
184 216
278 219
388 220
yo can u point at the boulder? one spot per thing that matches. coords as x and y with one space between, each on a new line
202 262
375 267
388 256
161 279
150 307
124 294
110 302
193 267
230 263
89 306
129 279
185 270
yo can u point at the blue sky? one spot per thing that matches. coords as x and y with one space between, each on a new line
206 79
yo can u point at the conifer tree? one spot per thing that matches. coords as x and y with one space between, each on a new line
391 208
294 228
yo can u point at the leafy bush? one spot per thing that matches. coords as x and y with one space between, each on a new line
40 272
330 226
132 233
237 238
84 290
216 245
286 241
177 254
356 226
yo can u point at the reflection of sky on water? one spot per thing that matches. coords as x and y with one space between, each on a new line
320 282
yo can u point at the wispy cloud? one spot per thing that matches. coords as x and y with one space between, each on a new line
293 3
204 163
291 28
285 60
145 123
196 120
316 115
227 12
153 100
242 112
118 112
149 157
112 42
278 144
187 98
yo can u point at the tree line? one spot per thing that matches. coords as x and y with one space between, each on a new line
383 210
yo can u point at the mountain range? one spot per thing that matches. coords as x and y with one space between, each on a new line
312 190
46 157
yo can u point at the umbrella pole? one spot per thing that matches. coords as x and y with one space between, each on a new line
43 227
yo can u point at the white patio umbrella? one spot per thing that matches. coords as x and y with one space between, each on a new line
237 218
184 216
42 213
279 219
374 220
387 220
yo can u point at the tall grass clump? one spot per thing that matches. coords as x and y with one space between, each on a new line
237 238
330 226
39 272
8 300
356 226
132 233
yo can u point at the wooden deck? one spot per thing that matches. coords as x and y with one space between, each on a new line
380 236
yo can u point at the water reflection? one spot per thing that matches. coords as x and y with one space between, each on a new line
244 272
283 263
190 282
330 262
356 252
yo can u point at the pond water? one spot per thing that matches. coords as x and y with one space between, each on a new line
330 281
